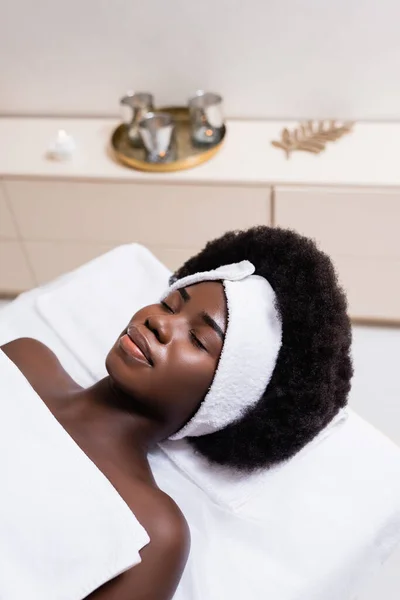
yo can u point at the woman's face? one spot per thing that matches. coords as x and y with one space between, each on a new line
167 356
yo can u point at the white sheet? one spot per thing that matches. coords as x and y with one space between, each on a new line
310 529
64 530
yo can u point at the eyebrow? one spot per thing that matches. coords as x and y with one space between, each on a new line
205 316
184 294
210 321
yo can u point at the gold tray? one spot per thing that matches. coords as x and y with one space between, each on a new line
187 155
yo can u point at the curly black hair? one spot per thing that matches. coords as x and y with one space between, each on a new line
312 375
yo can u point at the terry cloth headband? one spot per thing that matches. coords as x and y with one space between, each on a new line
252 342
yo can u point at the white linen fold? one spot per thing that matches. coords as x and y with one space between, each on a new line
64 529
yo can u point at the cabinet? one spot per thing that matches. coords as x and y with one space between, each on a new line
54 216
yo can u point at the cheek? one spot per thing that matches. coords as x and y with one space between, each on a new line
189 375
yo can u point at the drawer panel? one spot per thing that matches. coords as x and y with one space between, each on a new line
359 230
7 227
159 215
15 274
173 258
347 222
51 259
372 286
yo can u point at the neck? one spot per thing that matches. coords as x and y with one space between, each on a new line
104 412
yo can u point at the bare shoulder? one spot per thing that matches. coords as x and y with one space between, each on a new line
160 516
163 520
162 560
38 363
24 348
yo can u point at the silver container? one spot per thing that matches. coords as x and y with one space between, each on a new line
157 133
135 106
206 117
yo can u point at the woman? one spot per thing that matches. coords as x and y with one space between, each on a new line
249 367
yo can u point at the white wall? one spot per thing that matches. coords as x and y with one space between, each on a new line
276 58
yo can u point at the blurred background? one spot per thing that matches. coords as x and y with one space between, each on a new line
287 59
64 66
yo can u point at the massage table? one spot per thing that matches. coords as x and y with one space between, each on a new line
313 528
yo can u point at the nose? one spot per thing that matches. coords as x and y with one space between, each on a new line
162 327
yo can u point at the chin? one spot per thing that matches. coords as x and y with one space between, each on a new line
109 361
119 371
123 375
131 379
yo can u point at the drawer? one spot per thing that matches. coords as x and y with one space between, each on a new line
173 258
352 222
372 286
159 215
7 227
15 274
51 259
359 230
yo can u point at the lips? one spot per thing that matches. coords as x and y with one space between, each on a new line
141 342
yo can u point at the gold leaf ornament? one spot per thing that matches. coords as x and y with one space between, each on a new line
312 136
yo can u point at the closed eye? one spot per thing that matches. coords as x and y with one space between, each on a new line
196 342
193 338
167 308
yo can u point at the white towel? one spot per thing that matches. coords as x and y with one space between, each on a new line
253 338
64 530
125 279
309 529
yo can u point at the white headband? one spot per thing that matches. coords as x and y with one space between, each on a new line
252 342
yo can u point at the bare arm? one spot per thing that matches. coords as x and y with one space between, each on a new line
158 575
